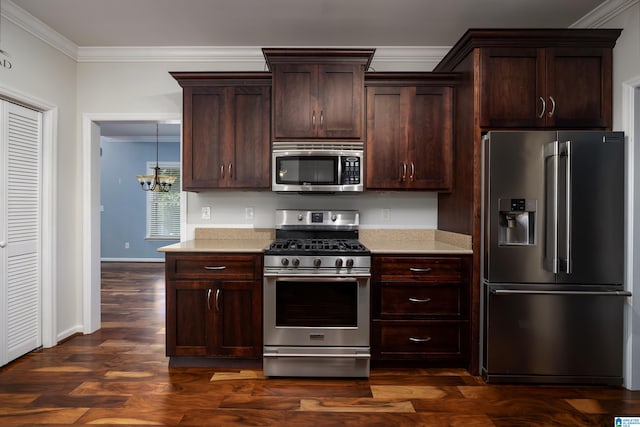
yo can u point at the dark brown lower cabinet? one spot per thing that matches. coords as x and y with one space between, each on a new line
214 305
420 310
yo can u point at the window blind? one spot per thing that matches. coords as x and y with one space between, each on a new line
163 209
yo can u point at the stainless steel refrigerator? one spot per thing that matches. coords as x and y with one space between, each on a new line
553 257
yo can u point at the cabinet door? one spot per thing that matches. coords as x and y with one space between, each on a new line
295 97
204 133
340 101
188 315
248 166
512 92
430 138
238 319
579 84
386 141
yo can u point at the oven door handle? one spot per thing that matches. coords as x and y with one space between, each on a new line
316 278
323 355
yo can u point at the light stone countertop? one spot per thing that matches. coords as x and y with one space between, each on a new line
397 241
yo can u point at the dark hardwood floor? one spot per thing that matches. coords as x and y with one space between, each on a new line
120 376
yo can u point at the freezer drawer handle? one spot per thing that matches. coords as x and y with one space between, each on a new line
420 270
419 340
588 293
419 300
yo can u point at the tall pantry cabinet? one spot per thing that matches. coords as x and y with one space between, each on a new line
20 231
518 79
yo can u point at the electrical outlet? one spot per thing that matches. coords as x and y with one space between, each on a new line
386 214
126 245
248 213
206 212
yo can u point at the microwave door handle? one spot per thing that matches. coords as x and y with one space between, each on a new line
551 152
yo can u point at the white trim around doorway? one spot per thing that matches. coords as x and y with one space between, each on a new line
91 206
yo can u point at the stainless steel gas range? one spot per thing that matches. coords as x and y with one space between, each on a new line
316 296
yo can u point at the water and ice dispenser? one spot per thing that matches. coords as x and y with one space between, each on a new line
517 222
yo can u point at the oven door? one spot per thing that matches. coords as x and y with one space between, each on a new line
316 311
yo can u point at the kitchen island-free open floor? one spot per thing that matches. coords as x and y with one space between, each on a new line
120 376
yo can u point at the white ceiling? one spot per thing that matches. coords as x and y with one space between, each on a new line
375 23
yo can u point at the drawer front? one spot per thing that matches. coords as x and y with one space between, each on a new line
214 267
417 340
419 268
411 300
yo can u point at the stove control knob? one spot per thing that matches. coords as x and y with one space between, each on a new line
334 217
300 217
284 261
317 262
295 262
338 262
349 263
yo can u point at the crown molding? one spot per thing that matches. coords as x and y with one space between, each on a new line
602 14
239 54
39 29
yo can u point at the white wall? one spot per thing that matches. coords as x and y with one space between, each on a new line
43 73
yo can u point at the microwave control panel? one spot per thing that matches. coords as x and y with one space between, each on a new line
350 170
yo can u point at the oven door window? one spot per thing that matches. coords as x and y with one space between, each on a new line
316 304
301 170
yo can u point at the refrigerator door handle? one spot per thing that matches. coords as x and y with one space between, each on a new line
551 292
564 223
551 154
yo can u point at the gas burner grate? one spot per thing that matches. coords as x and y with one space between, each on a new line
305 245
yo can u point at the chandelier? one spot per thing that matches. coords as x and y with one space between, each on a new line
156 182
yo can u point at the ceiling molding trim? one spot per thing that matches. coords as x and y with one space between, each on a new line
170 54
603 13
39 29
244 54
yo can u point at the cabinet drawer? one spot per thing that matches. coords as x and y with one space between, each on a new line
419 268
413 300
214 266
410 340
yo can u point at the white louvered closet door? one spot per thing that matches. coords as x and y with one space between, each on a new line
20 231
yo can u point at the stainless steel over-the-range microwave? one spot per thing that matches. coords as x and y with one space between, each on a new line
317 166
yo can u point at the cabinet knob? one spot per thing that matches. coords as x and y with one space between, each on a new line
3 244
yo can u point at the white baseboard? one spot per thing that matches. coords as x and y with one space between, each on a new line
71 331
132 259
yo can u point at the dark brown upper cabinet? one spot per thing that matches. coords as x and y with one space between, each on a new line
226 130
318 93
545 87
409 131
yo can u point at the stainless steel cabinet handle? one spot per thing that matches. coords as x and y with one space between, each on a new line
313 119
420 270
209 299
230 170
321 119
553 106
221 171
218 300
412 177
544 107
215 267
414 339
403 177
419 300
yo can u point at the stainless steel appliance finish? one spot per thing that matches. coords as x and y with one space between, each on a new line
553 256
317 166
316 296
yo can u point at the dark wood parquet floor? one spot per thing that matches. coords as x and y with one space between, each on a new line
120 376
